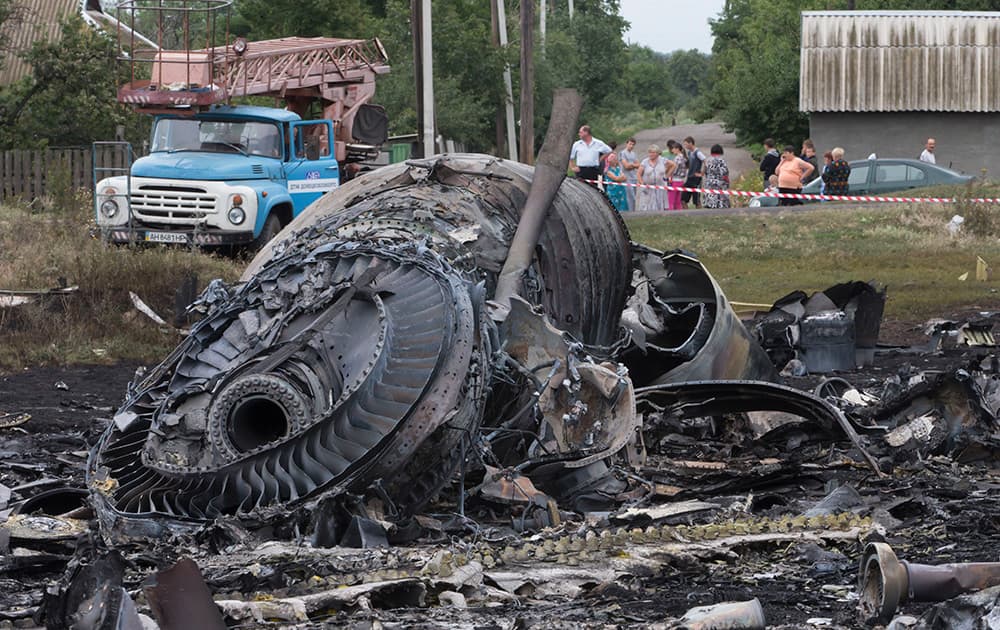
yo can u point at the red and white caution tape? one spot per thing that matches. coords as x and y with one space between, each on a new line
745 193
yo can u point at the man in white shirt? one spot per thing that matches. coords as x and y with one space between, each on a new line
928 153
585 156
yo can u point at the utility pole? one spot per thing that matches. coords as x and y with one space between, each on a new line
499 122
511 130
541 24
527 81
427 68
418 76
423 70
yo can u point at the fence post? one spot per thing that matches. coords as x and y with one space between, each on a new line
5 183
39 179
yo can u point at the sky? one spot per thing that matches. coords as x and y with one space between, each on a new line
669 25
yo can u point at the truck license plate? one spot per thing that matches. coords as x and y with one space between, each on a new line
166 237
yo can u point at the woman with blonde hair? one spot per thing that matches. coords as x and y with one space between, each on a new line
613 178
836 175
654 171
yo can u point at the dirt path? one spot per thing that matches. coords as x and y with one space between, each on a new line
705 135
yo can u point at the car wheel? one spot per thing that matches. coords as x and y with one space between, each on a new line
271 228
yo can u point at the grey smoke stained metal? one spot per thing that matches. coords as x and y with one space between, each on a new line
549 174
715 398
683 327
358 353
468 207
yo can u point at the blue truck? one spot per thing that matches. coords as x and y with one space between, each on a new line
229 175
224 174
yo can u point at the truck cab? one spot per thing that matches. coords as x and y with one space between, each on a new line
227 175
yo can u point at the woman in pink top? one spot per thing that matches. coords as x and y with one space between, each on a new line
678 176
791 171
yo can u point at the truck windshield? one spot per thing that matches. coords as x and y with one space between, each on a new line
217 136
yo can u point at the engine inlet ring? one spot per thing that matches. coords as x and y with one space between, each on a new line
256 410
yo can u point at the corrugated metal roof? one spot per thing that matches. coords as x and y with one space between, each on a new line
885 61
41 22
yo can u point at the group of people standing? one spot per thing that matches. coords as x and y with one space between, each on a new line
633 184
788 172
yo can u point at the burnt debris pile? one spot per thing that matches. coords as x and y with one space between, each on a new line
370 420
361 355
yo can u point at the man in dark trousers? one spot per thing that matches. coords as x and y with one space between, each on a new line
585 156
696 165
770 160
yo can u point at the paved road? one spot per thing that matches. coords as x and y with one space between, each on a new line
705 135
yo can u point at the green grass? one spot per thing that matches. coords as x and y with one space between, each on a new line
43 249
761 257
756 258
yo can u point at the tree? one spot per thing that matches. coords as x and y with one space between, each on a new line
69 99
648 80
267 19
586 53
688 71
12 15
755 69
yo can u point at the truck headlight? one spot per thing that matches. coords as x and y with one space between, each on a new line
237 215
109 208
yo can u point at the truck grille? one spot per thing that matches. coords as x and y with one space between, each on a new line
177 203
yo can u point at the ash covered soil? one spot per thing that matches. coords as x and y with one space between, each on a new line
931 511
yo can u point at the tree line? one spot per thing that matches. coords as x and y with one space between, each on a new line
750 81
69 99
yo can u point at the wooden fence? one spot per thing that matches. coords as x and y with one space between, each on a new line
27 175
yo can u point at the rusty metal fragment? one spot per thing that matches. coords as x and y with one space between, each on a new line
180 599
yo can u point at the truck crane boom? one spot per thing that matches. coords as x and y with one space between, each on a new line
339 73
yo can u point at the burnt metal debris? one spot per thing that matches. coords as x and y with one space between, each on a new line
831 330
430 315
885 582
363 357
373 421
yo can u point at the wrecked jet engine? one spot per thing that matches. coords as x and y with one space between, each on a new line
358 354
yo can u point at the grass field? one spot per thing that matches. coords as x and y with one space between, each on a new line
755 258
51 248
761 257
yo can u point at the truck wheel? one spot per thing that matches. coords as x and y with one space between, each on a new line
271 228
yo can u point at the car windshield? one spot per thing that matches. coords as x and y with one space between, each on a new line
217 136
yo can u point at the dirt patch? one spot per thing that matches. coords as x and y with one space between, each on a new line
705 134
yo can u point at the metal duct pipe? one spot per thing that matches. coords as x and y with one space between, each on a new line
885 582
550 171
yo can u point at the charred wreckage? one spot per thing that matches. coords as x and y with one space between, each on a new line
467 329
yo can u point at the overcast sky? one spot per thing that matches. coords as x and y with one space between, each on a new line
669 25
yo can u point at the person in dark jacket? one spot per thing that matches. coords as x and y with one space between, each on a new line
770 160
836 175
809 155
